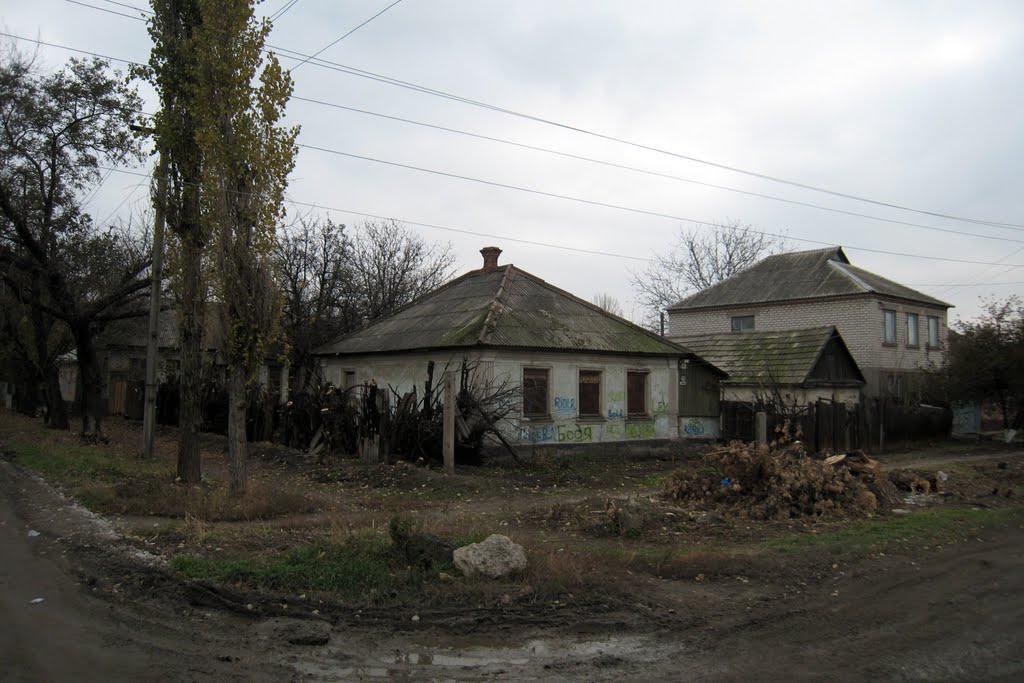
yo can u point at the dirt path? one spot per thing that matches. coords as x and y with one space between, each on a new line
82 633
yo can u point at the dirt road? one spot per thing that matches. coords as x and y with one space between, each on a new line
55 628
949 613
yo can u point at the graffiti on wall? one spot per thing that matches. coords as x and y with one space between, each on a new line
565 405
558 433
639 430
694 427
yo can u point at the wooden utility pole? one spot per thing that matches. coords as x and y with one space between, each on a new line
152 345
448 433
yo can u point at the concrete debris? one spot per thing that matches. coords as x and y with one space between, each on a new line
494 557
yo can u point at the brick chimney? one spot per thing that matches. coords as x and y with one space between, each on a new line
490 255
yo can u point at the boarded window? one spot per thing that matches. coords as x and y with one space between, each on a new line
933 331
535 392
743 323
349 379
590 393
912 329
888 326
636 393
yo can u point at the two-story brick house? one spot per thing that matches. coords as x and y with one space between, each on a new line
892 331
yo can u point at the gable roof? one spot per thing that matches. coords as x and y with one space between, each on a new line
786 357
821 273
502 307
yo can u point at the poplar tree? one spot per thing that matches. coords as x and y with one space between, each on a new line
247 156
228 158
173 72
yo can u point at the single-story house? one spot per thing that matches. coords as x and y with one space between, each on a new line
796 367
585 375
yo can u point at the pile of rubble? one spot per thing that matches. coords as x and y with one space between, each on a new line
782 481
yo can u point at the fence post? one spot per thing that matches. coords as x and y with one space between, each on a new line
448 432
761 427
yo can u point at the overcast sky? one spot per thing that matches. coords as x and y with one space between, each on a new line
915 104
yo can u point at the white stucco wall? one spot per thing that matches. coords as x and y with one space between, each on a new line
564 425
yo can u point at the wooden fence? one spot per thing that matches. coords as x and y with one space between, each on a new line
874 425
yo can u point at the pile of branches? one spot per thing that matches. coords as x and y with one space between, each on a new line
782 481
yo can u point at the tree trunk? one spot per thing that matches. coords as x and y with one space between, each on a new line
236 430
56 411
190 399
92 381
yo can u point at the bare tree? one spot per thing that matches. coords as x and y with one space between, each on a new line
392 265
317 283
609 303
696 260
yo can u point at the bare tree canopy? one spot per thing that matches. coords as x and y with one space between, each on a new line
391 266
696 260
609 303
336 279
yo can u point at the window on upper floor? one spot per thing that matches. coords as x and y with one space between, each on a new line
888 326
912 339
743 323
535 392
636 394
933 332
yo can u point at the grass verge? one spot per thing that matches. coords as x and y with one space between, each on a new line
931 525
361 569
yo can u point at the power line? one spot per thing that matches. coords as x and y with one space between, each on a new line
304 58
142 10
108 11
327 47
284 10
635 169
677 218
625 208
392 81
572 156
965 284
439 93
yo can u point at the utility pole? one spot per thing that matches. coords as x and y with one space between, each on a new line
152 346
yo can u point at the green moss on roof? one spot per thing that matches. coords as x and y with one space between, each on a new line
528 313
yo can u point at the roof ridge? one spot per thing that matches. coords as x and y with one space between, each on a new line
607 314
841 267
497 304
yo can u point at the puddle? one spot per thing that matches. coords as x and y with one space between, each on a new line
436 657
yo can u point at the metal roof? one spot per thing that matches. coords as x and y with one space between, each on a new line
821 273
503 308
786 357
134 332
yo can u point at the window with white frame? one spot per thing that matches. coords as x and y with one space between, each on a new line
912 339
888 326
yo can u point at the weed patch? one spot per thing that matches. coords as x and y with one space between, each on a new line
923 526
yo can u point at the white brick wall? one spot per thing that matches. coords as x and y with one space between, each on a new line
858 319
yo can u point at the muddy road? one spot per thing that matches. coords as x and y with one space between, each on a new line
109 612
